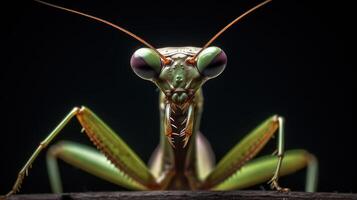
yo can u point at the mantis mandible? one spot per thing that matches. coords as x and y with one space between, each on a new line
183 158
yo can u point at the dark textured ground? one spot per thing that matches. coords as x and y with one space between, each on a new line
172 195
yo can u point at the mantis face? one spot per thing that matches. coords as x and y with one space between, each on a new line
179 76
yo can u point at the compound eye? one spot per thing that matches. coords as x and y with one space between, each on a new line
211 62
146 63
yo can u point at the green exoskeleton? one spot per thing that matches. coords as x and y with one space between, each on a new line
183 158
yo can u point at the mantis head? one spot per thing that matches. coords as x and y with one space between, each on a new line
179 78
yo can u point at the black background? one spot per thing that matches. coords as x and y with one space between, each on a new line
290 58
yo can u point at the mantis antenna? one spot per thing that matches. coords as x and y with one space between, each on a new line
166 61
192 60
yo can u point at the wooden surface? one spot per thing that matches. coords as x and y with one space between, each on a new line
173 195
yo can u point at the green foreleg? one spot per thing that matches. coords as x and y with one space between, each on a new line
115 149
43 144
261 169
243 152
87 159
110 144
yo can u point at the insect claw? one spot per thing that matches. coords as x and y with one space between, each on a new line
184 121
182 133
172 119
175 134
170 139
186 141
173 125
275 185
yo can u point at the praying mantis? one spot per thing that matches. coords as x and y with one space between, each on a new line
184 158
